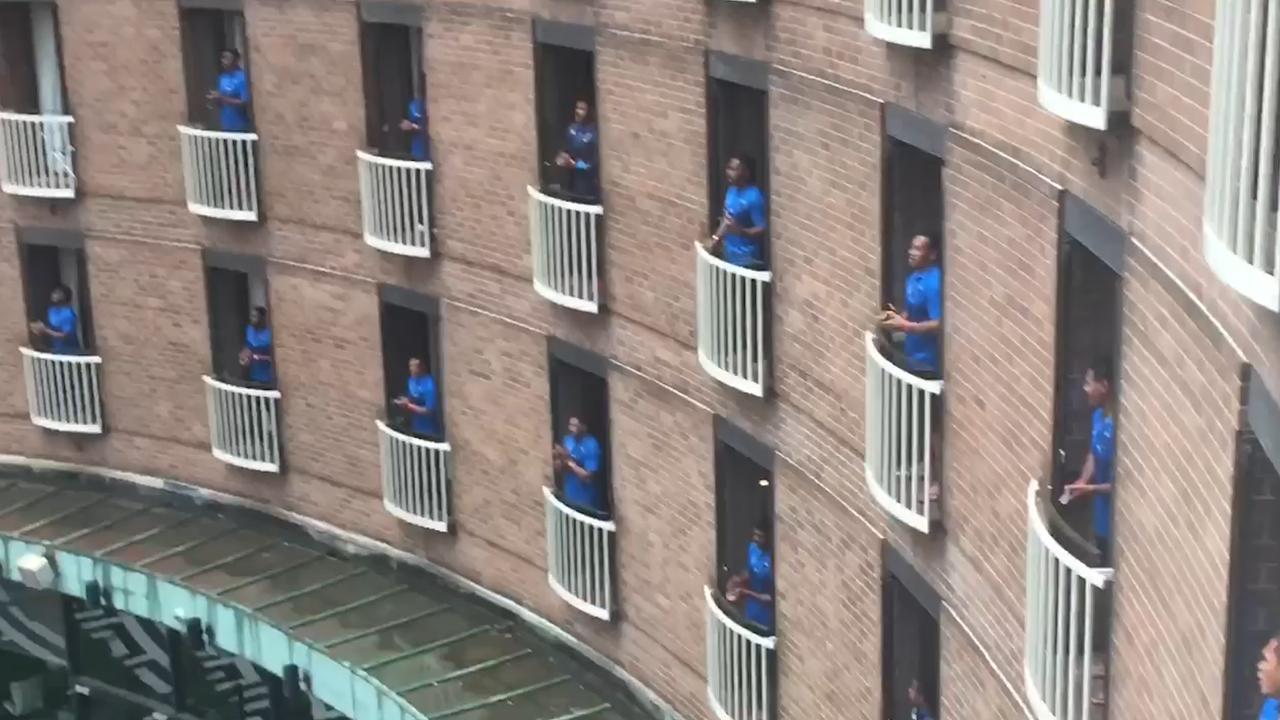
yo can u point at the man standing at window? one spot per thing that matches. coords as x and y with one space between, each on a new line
755 583
232 94
421 400
739 238
61 326
922 324
919 706
581 151
256 355
577 457
415 124
1269 680
1097 476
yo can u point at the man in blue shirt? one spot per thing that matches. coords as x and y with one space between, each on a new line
581 152
421 400
919 706
1097 477
415 123
256 354
1269 680
755 583
922 324
232 94
577 458
61 326
738 239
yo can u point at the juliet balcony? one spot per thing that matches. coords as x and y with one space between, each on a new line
220 170
36 156
64 392
395 204
244 425
565 242
733 317
415 478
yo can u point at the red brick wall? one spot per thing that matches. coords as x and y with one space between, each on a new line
1004 171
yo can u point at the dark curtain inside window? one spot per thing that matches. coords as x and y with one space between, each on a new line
387 53
578 393
911 650
228 316
17 59
562 76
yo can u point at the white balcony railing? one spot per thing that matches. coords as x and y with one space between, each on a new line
35 155
394 204
1242 179
1076 80
739 673
580 557
415 478
64 392
565 239
732 314
914 23
1063 608
221 172
899 438
244 427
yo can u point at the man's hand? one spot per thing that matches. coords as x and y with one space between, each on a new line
245 356
37 327
213 95
400 401
563 160
407 126
893 321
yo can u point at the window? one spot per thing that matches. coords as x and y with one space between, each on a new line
1088 334
568 130
391 57
580 392
409 333
237 289
910 641
1254 610
744 522
35 124
206 36
55 278
737 128
1085 48
1242 174
904 431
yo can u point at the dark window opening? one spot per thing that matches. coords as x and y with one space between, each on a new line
580 397
568 141
47 269
1088 334
409 337
911 654
913 207
206 36
394 90
243 354
744 533
738 127
30 61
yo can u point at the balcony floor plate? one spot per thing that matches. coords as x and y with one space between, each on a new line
584 606
256 465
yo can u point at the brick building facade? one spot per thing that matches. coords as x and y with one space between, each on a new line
1186 338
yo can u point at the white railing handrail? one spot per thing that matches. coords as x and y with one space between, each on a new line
216 134
933 387
589 208
60 357
768 643
43 117
935 22
761 275
241 389
1097 577
1074 81
393 162
606 525
414 483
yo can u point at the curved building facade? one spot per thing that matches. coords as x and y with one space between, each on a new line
896 358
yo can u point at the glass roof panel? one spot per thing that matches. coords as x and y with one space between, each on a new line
376 612
98 511
95 538
288 580
416 635
38 507
356 586
486 683
235 570
487 647
566 699
161 540
217 548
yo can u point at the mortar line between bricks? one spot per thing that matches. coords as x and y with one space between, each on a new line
1150 256
829 83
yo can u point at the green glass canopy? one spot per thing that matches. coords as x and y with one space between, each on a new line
378 643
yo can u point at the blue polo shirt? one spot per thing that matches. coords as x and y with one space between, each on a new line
62 318
585 452
234 84
759 579
259 343
1270 710
422 392
924 302
582 143
1102 444
745 206
417 115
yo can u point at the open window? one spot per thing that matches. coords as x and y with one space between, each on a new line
1253 615
580 392
35 120
738 127
53 261
1088 333
391 58
237 291
744 522
910 644
564 75
207 33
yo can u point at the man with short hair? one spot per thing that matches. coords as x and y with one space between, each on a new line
1097 476
421 400
232 94
922 323
1269 679
577 458
61 326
